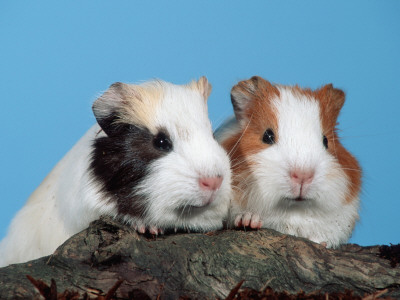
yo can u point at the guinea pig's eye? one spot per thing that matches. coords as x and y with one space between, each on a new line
325 142
162 142
269 137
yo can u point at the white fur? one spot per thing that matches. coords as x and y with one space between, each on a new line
324 216
69 198
64 204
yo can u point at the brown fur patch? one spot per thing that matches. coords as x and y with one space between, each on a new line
239 165
331 101
248 96
252 101
350 166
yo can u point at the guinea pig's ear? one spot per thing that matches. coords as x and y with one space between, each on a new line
247 91
106 107
203 86
332 100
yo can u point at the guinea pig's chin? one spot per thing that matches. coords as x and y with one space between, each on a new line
190 210
204 201
296 199
295 202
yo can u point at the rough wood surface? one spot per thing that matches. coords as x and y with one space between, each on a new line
199 265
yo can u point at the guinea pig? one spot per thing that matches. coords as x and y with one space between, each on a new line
151 161
289 170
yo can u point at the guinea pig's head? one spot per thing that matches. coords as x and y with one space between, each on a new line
158 161
286 153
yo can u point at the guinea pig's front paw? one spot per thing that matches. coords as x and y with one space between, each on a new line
142 228
248 219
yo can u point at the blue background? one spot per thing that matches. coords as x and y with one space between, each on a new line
57 57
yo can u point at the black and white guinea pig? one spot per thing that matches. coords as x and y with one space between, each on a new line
290 171
151 161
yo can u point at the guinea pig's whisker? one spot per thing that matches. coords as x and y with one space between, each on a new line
334 142
220 121
233 150
244 181
180 217
237 164
351 169
237 188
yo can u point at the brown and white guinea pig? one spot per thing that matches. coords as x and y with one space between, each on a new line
290 171
151 161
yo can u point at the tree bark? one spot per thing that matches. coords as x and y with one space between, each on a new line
199 265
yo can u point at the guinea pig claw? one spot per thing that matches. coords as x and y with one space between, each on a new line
255 222
248 219
325 244
238 221
153 230
141 229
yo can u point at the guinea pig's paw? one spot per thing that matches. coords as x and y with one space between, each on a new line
155 230
139 227
248 219
142 228
324 244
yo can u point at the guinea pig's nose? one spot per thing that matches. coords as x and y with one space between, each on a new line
210 183
302 176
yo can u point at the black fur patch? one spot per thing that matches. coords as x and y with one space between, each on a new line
120 162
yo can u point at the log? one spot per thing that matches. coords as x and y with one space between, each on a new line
197 265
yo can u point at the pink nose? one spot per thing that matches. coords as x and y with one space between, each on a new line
302 176
211 183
